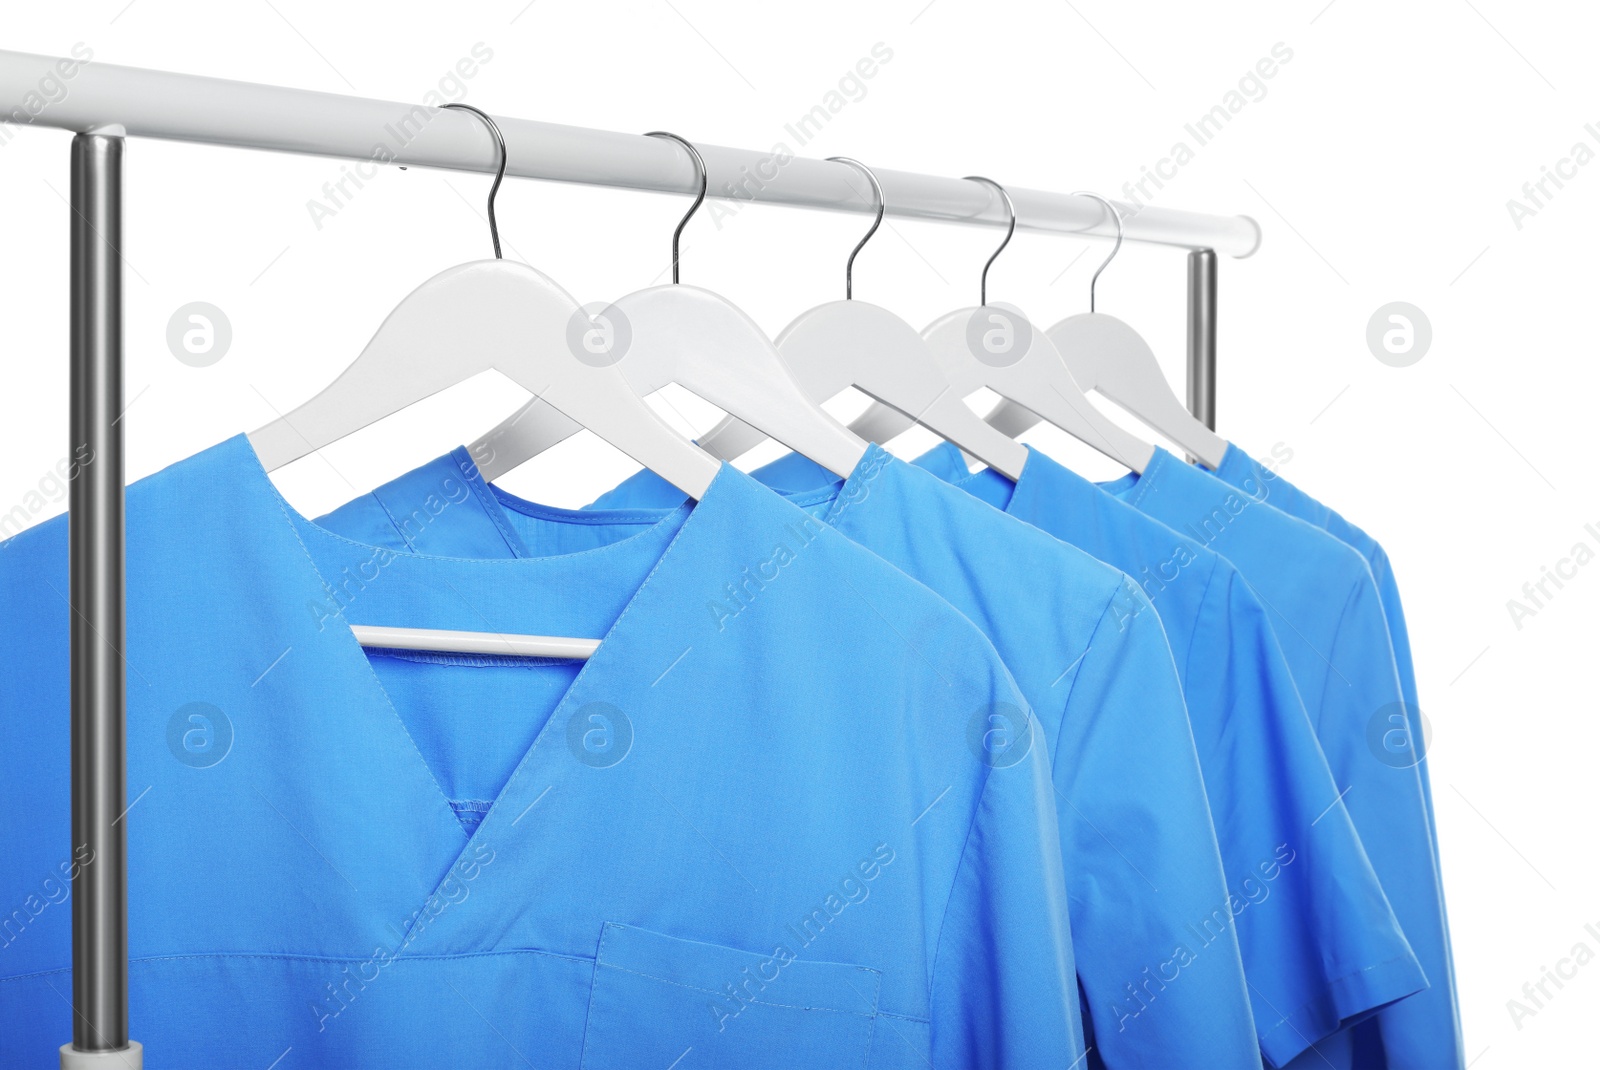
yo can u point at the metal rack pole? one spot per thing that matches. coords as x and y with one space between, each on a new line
1203 336
96 576
220 111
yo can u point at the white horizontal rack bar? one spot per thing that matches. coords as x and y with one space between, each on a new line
183 107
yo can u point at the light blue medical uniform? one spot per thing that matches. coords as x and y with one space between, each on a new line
1321 945
1153 933
1329 617
1241 470
749 831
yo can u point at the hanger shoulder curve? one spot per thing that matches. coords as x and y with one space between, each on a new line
690 336
887 359
1036 378
391 371
851 343
705 343
1108 356
488 314
823 348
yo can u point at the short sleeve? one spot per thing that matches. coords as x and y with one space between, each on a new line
1158 960
1322 947
1003 992
1367 734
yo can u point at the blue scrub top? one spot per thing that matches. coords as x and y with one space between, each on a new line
1239 469
1152 919
1327 950
1330 619
749 831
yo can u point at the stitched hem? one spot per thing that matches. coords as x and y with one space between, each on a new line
1342 1002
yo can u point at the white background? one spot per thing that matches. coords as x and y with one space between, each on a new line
1379 162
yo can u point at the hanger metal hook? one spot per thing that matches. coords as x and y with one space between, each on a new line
877 193
700 166
499 174
983 284
1116 216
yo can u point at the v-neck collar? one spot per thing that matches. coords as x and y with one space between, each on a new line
689 533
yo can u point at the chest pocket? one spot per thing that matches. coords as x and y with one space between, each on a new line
659 1002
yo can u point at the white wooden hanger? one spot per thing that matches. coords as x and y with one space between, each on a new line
692 337
997 348
853 343
1109 357
487 314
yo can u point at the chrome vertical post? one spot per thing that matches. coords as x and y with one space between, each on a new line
96 577
1203 336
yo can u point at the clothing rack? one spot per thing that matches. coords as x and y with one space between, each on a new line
104 104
